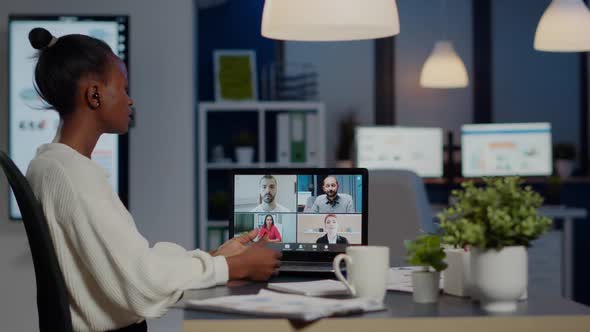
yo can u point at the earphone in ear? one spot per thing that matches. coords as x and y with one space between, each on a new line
96 97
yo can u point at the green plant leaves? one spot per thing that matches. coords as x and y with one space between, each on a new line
426 251
499 214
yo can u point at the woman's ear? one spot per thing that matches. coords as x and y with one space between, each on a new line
92 96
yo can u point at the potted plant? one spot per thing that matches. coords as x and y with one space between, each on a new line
244 144
564 155
426 251
498 221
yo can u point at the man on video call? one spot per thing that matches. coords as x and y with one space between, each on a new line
332 201
267 187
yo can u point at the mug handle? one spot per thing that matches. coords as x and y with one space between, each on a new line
336 266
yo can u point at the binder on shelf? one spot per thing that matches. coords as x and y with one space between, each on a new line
283 139
311 139
298 153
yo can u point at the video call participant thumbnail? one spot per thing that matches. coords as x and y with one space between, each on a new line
332 201
268 187
331 227
270 230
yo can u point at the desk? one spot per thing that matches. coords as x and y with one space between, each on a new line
539 313
567 214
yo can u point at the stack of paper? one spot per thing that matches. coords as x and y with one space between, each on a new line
311 288
271 304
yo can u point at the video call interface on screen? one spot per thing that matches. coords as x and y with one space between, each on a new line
300 212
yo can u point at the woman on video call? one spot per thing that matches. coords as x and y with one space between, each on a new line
270 229
331 227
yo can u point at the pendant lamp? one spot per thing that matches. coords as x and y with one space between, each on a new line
443 68
564 27
329 20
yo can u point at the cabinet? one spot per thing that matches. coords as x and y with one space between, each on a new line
279 134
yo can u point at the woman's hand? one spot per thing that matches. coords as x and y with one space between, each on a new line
257 262
237 245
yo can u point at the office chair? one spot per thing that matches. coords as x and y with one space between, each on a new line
398 210
52 297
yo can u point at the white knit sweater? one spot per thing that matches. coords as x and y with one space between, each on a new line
114 278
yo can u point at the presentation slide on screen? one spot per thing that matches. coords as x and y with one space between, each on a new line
31 124
506 149
416 149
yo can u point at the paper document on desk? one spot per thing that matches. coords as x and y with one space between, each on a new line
400 278
311 288
271 304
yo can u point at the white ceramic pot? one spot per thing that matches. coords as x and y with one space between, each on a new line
425 285
244 154
457 276
499 277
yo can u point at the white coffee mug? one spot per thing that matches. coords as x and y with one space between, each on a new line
367 270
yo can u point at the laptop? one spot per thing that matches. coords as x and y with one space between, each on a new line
309 214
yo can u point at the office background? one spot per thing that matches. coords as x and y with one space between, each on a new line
171 40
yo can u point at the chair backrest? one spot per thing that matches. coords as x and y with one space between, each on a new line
52 297
398 210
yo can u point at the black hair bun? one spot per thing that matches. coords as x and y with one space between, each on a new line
40 38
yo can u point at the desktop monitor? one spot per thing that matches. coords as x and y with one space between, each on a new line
522 149
416 149
30 123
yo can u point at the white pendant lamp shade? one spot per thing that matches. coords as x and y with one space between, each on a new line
564 27
444 68
329 20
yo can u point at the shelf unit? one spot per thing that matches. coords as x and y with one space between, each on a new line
223 119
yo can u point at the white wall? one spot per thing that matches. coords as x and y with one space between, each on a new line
346 81
162 179
421 24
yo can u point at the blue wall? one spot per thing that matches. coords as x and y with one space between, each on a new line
422 23
529 85
234 25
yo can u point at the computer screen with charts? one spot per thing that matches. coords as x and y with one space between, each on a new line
31 124
385 147
506 149
303 211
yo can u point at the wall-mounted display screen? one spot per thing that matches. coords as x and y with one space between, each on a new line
31 124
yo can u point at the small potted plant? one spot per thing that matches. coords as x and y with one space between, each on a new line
498 221
244 144
426 251
565 156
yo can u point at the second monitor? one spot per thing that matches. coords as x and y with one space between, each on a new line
506 149
411 148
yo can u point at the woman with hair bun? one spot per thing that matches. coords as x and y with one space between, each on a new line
115 279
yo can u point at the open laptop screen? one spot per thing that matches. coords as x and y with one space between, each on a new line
304 210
